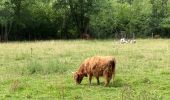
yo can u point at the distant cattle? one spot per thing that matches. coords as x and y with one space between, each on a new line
132 41
157 36
125 41
96 66
85 36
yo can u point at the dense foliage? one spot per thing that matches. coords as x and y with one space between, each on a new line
68 19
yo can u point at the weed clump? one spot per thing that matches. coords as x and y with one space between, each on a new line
44 67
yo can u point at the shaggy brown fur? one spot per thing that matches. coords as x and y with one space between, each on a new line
96 66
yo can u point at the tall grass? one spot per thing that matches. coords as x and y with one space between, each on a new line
46 67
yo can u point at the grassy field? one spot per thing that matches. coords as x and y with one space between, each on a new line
43 70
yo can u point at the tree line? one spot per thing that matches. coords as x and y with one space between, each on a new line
69 19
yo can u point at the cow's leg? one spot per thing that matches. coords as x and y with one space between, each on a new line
107 79
98 82
90 78
113 75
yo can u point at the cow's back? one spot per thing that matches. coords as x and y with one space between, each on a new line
97 65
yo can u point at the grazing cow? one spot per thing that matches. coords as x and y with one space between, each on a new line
85 36
96 66
132 41
123 41
157 36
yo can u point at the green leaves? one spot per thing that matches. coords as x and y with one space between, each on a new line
66 19
166 23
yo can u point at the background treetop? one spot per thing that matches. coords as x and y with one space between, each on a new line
70 19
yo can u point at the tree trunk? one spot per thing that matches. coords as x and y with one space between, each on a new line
72 9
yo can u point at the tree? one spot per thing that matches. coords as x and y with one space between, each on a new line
159 12
69 19
79 11
6 20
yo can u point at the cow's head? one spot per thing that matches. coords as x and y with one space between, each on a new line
78 77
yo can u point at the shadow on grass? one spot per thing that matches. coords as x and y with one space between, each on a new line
116 83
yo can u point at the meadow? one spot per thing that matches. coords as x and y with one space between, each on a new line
43 70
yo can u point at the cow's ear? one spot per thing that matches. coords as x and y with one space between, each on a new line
80 74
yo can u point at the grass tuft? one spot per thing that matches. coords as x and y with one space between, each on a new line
45 67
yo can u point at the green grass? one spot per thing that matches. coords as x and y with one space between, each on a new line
43 70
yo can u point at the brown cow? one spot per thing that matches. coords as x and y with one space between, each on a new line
96 66
85 36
